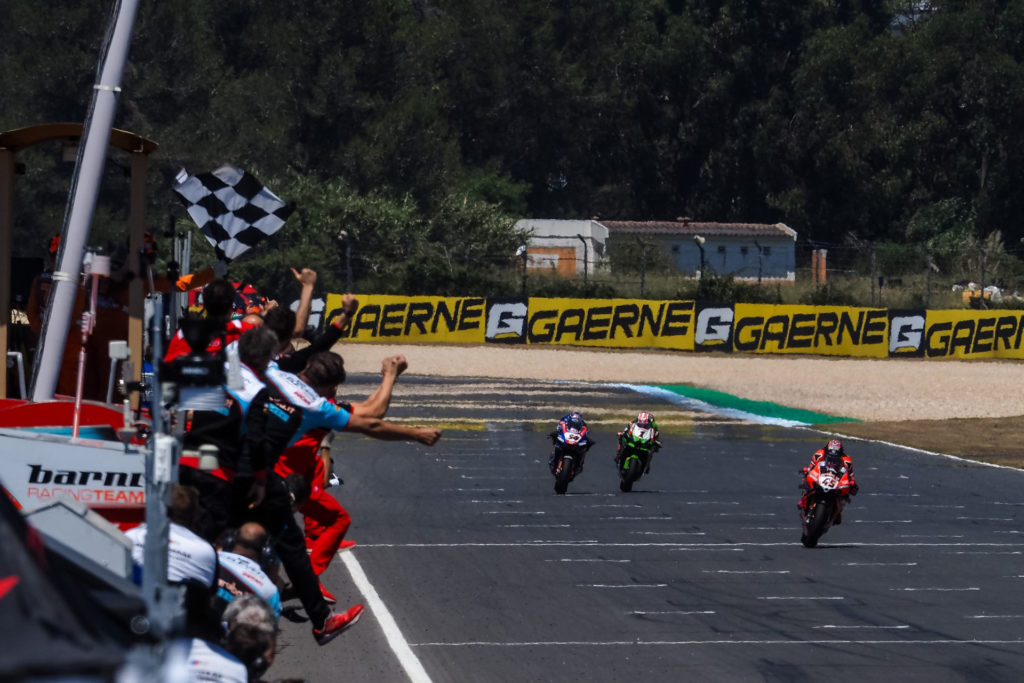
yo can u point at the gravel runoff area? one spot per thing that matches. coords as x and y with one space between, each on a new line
866 389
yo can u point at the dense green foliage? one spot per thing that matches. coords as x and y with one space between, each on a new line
423 128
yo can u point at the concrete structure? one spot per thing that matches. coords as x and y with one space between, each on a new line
747 251
565 247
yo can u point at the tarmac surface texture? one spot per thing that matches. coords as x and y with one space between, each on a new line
472 568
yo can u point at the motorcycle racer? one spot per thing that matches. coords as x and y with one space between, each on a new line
644 420
573 421
833 452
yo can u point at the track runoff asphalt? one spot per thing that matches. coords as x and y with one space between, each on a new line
472 568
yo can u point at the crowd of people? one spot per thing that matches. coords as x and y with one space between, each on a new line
235 543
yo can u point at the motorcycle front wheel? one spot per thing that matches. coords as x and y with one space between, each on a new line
630 474
816 523
563 474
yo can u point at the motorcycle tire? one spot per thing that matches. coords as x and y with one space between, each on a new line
563 474
816 524
632 472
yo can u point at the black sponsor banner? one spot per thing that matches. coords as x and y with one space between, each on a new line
713 326
906 333
506 321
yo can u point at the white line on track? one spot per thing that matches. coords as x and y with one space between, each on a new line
674 546
621 585
883 521
703 611
399 645
712 502
495 501
985 519
536 526
839 626
513 512
658 519
995 616
745 571
880 564
614 505
472 490
897 495
670 643
984 552
587 559
670 533
802 597
938 589
929 535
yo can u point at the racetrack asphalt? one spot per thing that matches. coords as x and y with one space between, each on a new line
474 569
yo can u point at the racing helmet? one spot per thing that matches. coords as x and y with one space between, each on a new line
644 420
834 447
574 420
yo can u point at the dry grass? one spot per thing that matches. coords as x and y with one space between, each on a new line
994 440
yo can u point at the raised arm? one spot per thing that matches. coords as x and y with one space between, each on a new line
306 278
377 403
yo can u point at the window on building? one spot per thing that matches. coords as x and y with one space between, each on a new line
766 251
744 251
721 248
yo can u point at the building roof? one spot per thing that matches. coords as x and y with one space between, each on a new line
687 228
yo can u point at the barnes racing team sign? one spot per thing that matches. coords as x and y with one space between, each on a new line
687 326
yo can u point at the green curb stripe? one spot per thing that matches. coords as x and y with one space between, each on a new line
763 408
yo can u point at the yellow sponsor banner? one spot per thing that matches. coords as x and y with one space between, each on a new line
411 319
823 330
613 323
973 334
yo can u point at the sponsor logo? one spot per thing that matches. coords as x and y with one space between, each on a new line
810 330
40 475
87 495
418 318
905 334
972 336
506 322
714 326
609 322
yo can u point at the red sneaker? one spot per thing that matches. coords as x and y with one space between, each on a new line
345 545
328 595
336 624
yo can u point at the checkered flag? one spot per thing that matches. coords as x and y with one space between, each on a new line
233 209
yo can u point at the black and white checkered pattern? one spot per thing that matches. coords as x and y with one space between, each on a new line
233 209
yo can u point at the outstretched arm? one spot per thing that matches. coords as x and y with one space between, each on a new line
390 431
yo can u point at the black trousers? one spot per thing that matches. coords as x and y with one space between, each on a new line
277 517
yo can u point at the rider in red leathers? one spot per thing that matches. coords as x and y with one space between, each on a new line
848 485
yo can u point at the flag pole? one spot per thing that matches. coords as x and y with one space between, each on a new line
85 185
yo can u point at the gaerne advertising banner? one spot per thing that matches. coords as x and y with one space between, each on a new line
821 330
687 326
617 323
389 319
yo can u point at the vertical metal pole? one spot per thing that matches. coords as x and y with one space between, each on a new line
586 259
348 265
82 201
643 266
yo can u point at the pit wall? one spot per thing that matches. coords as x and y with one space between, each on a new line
686 326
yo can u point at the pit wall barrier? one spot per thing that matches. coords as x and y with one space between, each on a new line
685 326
